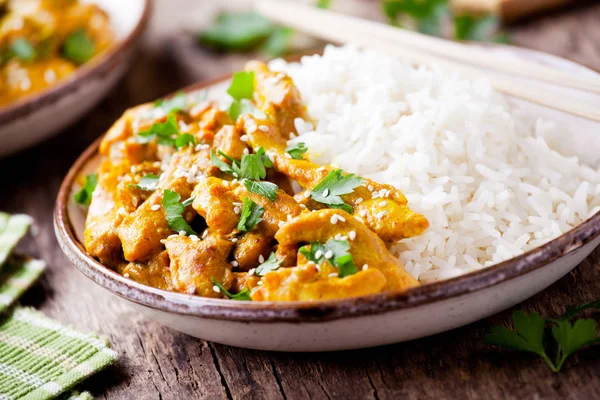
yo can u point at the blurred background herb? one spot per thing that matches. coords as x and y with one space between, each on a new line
248 31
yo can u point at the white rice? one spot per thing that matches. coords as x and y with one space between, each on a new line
479 170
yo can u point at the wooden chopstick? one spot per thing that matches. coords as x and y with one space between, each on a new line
335 27
296 15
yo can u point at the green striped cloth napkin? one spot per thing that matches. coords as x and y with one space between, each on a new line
39 358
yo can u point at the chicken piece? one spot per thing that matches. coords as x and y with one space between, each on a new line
401 222
123 129
366 247
195 263
213 200
243 280
228 141
128 195
103 217
277 96
306 283
155 272
250 247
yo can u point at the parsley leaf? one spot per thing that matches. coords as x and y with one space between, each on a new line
84 195
244 106
478 28
148 182
222 165
78 47
185 139
174 210
530 331
297 150
250 216
271 264
175 104
278 43
267 189
323 4
237 31
22 49
243 295
166 132
335 184
340 255
242 85
254 165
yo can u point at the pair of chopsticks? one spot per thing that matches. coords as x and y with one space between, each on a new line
471 61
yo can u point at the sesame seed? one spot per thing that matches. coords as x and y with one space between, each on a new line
236 210
359 219
251 272
261 259
204 234
318 254
234 263
365 267
359 200
302 206
325 192
333 275
134 201
264 128
194 238
280 224
246 151
329 254
289 217
383 203
380 214
237 203
198 147
155 207
352 235
370 187
333 219
181 233
126 274
259 283
244 138
340 218
216 289
234 240
251 129
320 169
362 213
163 241
172 236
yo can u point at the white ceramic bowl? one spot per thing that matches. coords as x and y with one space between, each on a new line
351 323
37 117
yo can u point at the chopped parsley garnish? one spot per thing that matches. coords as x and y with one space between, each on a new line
243 295
242 85
84 195
237 31
78 47
148 182
241 90
174 210
338 250
531 330
335 184
251 170
278 43
267 189
324 4
297 150
175 104
22 49
250 216
167 134
271 264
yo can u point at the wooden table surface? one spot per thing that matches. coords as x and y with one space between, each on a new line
158 363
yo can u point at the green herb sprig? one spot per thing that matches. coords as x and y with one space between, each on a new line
78 47
335 184
174 210
243 295
271 264
340 255
530 330
148 182
167 134
84 195
250 216
296 151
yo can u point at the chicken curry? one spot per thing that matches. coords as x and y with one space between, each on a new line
44 41
196 198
